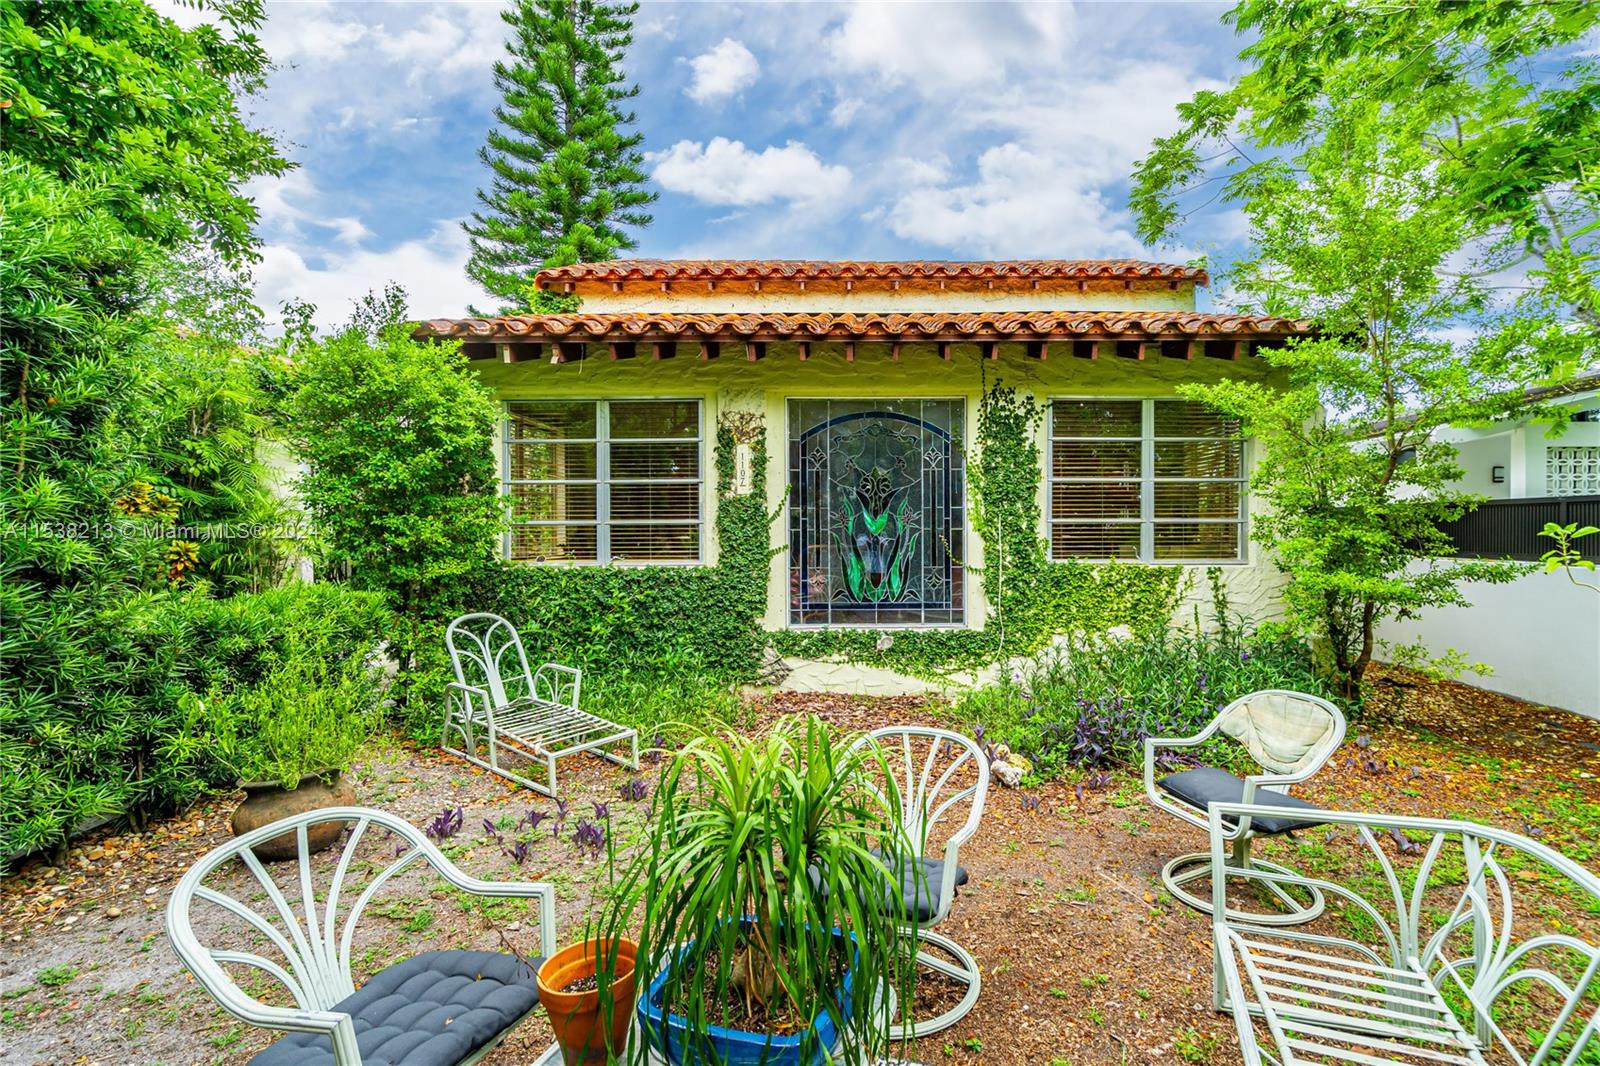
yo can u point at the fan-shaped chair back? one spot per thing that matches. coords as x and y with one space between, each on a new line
942 780
296 921
487 654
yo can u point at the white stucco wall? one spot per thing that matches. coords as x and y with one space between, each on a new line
1541 634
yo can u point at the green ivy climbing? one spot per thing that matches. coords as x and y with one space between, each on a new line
708 619
659 619
1031 598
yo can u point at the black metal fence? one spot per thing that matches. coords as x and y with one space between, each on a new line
1501 529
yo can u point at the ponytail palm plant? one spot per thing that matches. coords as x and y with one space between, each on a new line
762 885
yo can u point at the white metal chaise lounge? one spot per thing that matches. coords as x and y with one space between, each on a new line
1441 958
936 773
296 923
1288 734
498 707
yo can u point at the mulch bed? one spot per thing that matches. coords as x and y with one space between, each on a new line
1085 960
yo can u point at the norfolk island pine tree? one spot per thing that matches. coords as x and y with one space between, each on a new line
565 176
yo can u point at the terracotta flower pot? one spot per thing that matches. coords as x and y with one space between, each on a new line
575 1016
267 801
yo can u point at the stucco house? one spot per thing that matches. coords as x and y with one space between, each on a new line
1522 459
862 380
1539 633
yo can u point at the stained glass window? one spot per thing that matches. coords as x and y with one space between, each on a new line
876 512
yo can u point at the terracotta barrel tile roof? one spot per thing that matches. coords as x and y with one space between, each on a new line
785 269
804 326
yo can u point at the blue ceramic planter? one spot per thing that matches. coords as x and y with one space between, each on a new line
733 1047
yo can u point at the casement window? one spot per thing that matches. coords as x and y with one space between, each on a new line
1150 480
605 481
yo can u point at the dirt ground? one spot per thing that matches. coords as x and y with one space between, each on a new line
1086 960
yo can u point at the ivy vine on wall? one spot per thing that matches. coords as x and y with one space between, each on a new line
656 619
1031 599
707 618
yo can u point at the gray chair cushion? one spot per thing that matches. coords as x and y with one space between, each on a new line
921 901
1205 785
431 1010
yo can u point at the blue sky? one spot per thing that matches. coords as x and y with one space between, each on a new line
852 130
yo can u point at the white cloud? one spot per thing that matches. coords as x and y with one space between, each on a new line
356 67
320 40
430 268
284 208
844 112
931 170
1022 204
943 46
726 172
1050 180
726 69
446 38
1104 123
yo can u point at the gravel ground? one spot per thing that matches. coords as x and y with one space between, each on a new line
1085 958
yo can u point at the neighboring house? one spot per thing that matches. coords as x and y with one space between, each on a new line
1523 459
1540 633
863 381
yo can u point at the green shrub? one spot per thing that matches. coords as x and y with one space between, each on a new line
658 620
1093 703
126 746
301 719
396 435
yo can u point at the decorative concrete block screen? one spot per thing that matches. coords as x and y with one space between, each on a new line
1572 471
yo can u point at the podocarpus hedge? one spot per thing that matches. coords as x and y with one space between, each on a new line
127 747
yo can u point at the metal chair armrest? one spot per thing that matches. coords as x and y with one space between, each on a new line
1193 816
947 881
575 674
1256 782
336 1025
1185 742
471 693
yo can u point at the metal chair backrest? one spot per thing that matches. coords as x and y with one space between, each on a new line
487 654
1285 732
937 773
307 910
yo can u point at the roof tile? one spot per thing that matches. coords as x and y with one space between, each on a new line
803 326
842 269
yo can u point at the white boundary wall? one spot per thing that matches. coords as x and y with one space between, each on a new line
1541 634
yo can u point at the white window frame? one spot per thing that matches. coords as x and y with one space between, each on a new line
602 481
1147 482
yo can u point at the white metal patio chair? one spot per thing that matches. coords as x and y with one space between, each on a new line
1445 960
1290 735
439 1008
937 773
497 706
